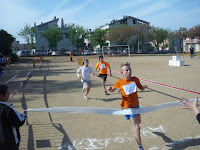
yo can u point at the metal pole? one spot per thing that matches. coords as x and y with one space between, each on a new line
138 43
138 37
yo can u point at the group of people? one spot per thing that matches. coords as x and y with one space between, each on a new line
11 120
128 87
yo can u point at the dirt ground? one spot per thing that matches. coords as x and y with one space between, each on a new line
55 84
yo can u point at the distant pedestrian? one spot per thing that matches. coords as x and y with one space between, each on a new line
71 57
1 69
192 52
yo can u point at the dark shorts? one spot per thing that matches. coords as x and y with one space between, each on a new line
133 115
103 76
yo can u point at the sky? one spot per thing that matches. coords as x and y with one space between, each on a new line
168 14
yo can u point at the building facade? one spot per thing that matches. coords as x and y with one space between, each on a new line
126 20
64 44
191 42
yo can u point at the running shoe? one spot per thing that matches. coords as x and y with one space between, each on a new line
106 93
85 96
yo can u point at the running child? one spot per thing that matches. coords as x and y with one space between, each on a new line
10 121
102 65
128 87
85 71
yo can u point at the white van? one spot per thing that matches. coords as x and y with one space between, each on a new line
98 51
35 52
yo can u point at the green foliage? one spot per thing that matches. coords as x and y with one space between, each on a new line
120 34
150 48
165 45
6 41
158 35
14 58
53 36
96 37
28 34
194 32
78 35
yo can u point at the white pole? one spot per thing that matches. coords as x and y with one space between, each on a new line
138 43
102 51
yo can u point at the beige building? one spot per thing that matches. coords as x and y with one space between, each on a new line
194 42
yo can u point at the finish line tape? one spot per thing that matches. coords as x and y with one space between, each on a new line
108 111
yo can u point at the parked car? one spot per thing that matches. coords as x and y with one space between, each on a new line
98 51
88 52
35 52
67 52
76 52
110 51
14 52
55 53
23 53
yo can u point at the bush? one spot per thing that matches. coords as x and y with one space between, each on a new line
14 58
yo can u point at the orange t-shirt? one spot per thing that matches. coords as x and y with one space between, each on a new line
102 67
128 90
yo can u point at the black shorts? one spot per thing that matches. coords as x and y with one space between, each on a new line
103 76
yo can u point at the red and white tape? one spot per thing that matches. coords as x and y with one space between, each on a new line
21 83
153 82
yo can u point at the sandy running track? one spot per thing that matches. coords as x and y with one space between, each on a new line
56 85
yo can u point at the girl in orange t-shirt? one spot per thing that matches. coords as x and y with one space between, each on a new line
128 87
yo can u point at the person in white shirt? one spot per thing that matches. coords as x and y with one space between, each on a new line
85 71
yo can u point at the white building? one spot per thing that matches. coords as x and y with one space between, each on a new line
126 20
191 42
64 44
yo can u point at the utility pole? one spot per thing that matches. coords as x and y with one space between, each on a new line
138 36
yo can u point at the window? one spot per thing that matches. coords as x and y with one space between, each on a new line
43 47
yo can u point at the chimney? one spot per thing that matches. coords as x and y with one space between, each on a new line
54 18
62 23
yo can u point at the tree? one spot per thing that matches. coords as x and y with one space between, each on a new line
178 35
120 34
96 37
6 41
158 35
53 36
194 32
78 35
142 32
28 34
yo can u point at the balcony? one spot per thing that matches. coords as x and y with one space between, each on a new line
191 41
